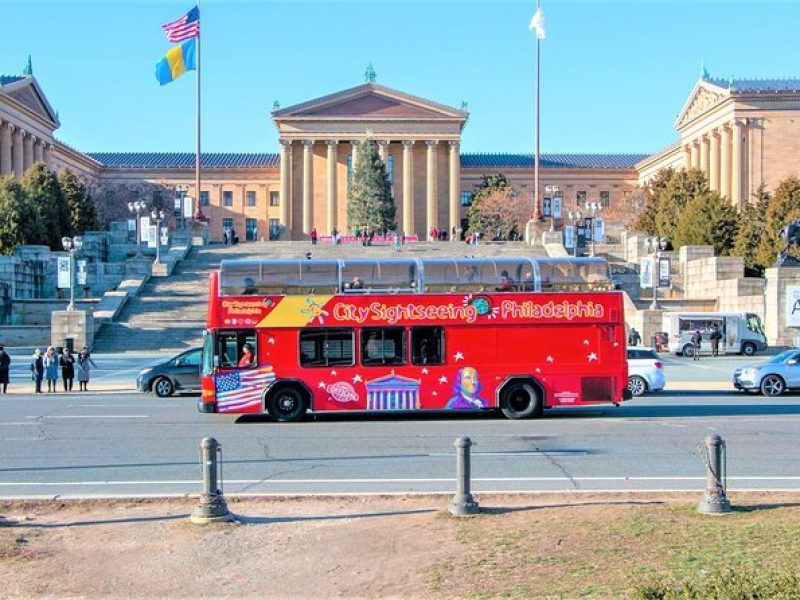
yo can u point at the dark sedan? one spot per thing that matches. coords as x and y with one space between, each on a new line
178 374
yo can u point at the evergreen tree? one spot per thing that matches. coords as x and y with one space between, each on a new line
682 188
752 220
783 207
19 222
370 205
42 187
477 217
652 194
82 213
707 220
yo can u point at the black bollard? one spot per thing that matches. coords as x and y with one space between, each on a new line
212 507
715 500
463 503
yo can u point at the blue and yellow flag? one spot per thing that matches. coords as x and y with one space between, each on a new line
178 60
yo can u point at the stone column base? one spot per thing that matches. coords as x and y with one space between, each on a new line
75 324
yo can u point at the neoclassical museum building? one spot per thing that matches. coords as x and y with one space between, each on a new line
739 132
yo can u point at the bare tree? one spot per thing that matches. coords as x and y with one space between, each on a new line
500 215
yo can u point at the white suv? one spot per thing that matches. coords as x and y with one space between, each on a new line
645 371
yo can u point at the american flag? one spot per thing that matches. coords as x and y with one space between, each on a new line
239 389
185 28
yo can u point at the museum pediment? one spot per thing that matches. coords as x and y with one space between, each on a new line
369 101
705 96
27 92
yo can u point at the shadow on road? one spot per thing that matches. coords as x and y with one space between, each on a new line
269 520
30 525
500 510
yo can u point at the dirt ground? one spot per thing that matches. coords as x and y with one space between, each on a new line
554 546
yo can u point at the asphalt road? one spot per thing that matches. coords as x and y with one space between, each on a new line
133 444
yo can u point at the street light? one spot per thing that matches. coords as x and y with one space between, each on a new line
181 190
656 244
72 245
552 190
593 208
157 216
137 207
576 217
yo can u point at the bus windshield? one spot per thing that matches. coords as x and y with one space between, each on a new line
754 323
208 353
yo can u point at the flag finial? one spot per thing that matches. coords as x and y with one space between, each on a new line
28 70
370 75
704 74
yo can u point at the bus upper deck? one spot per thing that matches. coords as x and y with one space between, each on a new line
266 277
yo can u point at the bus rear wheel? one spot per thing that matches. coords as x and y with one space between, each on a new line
521 401
287 404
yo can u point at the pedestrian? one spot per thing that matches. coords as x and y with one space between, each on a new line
314 236
225 236
633 337
84 370
396 242
697 339
37 370
371 237
234 237
716 336
67 362
51 369
5 369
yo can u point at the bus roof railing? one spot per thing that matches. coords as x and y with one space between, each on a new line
413 275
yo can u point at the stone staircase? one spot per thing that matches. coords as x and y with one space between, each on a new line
170 312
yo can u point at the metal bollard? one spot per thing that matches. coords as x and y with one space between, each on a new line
463 503
714 501
212 507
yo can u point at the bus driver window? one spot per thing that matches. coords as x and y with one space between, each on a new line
233 349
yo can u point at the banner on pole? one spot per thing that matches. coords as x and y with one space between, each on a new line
164 235
599 230
664 266
557 207
144 229
646 278
81 272
131 224
569 236
188 207
63 272
546 206
152 236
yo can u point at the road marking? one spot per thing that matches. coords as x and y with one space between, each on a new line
88 417
148 405
17 423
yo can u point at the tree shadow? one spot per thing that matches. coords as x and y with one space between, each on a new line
90 523
248 520
502 510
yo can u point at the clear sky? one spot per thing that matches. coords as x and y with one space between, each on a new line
614 74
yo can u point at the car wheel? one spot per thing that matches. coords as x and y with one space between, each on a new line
163 387
637 385
688 350
287 404
772 385
748 349
521 401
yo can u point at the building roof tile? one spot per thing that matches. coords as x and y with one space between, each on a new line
184 160
6 79
749 86
551 161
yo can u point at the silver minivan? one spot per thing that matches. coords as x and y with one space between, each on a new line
742 333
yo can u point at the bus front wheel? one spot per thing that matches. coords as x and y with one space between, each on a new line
521 401
287 404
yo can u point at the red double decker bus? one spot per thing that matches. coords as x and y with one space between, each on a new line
516 334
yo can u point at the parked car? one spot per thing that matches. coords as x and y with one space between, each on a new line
645 371
772 378
178 374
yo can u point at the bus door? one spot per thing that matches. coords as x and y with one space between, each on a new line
732 340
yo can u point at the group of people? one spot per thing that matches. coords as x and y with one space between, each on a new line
714 334
47 365
229 236
439 235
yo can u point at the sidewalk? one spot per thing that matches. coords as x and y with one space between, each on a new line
16 388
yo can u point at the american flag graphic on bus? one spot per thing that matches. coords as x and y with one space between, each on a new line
242 388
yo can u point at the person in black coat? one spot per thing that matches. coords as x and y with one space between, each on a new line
37 370
5 368
67 362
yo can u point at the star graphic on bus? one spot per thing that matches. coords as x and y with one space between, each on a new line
549 359
357 378
434 394
442 379
538 370
321 385
585 342
458 356
316 311
425 371
271 340
592 357
333 373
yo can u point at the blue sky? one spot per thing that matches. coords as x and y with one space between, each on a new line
614 74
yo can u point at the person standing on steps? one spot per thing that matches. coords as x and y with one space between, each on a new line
37 370
67 362
85 365
51 369
5 369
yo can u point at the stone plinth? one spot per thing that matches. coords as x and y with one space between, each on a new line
776 305
162 268
76 324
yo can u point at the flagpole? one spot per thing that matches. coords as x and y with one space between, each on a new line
536 129
198 211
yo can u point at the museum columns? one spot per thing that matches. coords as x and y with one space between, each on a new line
704 154
308 185
331 204
695 154
687 156
38 152
5 148
713 171
27 157
430 200
725 163
285 192
408 187
455 177
737 162
17 152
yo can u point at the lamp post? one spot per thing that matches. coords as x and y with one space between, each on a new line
157 216
72 245
593 208
576 218
137 207
656 244
181 190
552 190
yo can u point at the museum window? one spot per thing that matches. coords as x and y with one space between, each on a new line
227 198
227 223
466 198
275 229
250 198
605 199
580 198
274 198
203 198
251 230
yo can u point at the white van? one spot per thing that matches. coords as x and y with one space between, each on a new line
742 333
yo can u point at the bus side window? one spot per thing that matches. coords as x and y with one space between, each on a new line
383 346
231 348
427 346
